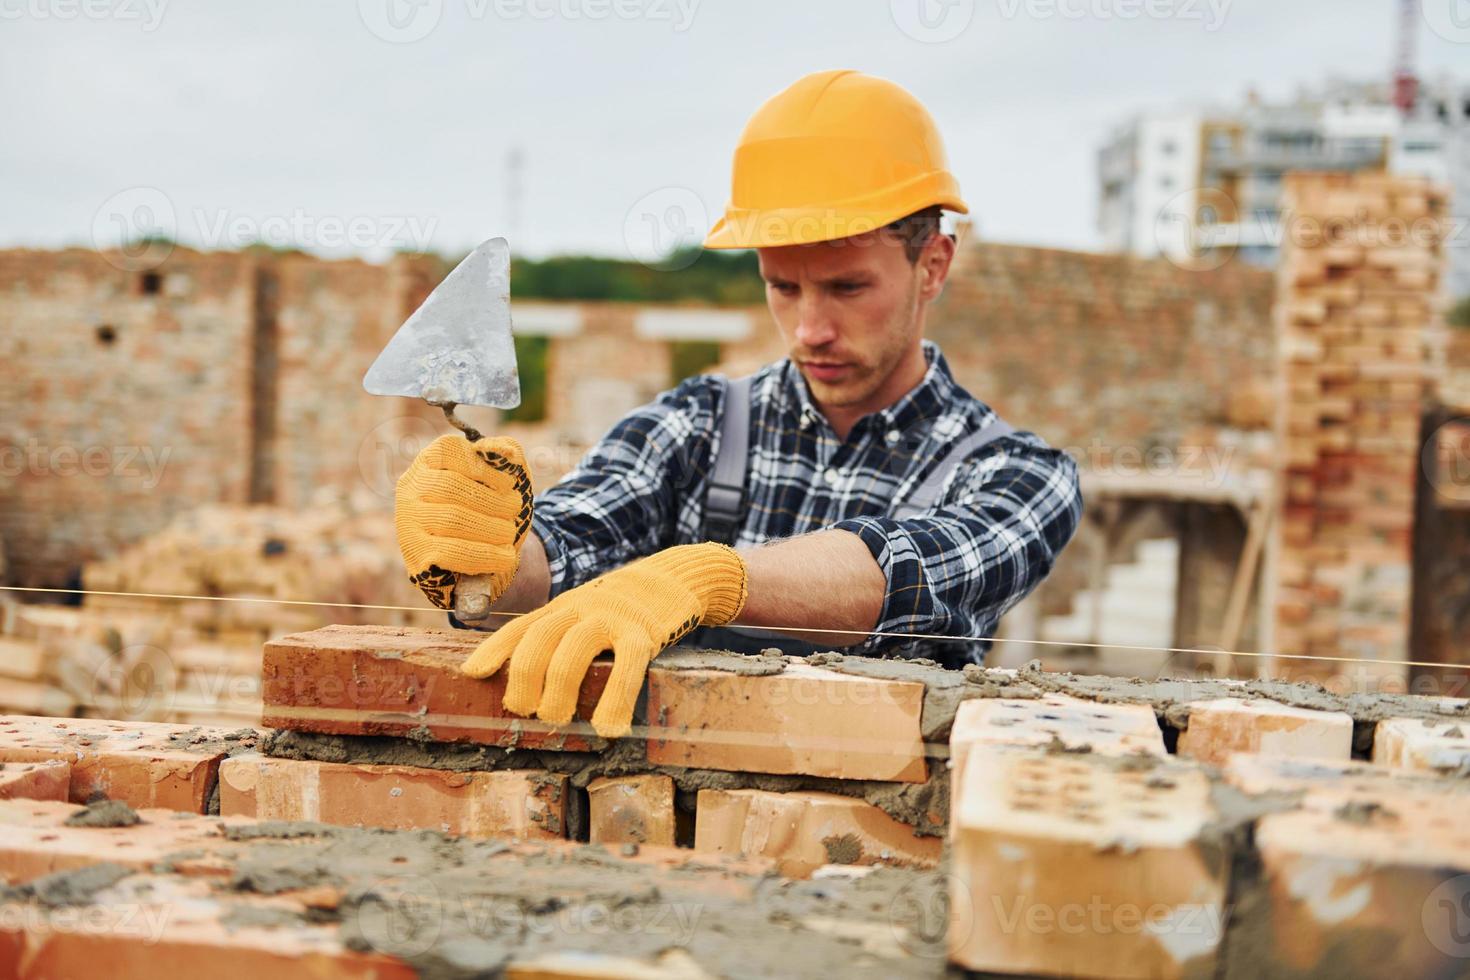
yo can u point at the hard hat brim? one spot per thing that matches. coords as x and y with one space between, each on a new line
775 227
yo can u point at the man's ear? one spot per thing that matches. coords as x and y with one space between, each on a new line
934 262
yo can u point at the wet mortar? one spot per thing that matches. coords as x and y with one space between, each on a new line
104 813
456 908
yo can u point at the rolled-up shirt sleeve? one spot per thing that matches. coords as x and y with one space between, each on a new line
619 502
1006 515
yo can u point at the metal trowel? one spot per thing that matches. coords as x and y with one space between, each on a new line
457 349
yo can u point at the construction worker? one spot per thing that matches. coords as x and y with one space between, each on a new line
852 488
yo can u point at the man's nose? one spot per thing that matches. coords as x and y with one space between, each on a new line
815 327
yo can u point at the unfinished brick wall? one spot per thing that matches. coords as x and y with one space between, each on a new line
118 407
1022 822
128 397
1105 350
1357 315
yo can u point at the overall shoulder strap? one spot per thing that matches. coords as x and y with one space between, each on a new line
724 501
926 494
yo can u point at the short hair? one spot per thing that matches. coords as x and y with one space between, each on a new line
914 230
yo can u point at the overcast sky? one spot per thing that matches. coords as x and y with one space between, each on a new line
357 126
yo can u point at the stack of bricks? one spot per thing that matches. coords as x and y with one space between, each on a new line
1356 312
153 657
1095 827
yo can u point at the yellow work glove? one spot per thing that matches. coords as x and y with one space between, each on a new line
634 611
463 508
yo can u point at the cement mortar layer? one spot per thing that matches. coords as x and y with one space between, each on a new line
457 908
917 804
1169 697
921 805
944 691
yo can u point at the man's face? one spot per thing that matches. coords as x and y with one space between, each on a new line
849 312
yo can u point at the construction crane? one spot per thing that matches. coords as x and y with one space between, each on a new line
1405 79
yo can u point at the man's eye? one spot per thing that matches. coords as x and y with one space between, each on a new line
784 288
849 288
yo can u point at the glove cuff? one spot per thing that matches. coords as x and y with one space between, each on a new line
715 573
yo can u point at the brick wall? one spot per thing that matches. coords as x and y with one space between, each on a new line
128 396
1080 826
1358 322
1104 350
102 440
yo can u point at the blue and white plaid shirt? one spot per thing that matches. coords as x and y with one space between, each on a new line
998 526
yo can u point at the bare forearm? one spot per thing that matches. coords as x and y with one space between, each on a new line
826 580
529 589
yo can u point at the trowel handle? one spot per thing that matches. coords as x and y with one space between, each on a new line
472 601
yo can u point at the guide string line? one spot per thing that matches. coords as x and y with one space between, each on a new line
941 637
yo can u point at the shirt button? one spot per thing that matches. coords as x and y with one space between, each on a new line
832 476
891 436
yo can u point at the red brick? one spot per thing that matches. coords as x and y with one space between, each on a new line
802 720
1387 875
672 964
1076 723
135 762
1217 729
1330 781
1081 866
803 831
48 780
631 809
35 840
509 803
389 680
1430 746
149 926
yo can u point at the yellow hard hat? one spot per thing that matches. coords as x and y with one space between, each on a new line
836 154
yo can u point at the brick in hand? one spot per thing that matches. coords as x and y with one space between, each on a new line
388 680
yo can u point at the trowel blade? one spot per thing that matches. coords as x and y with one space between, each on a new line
457 346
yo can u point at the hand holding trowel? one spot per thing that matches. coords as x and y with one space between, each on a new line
463 506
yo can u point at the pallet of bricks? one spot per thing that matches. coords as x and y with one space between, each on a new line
765 816
1359 319
164 656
